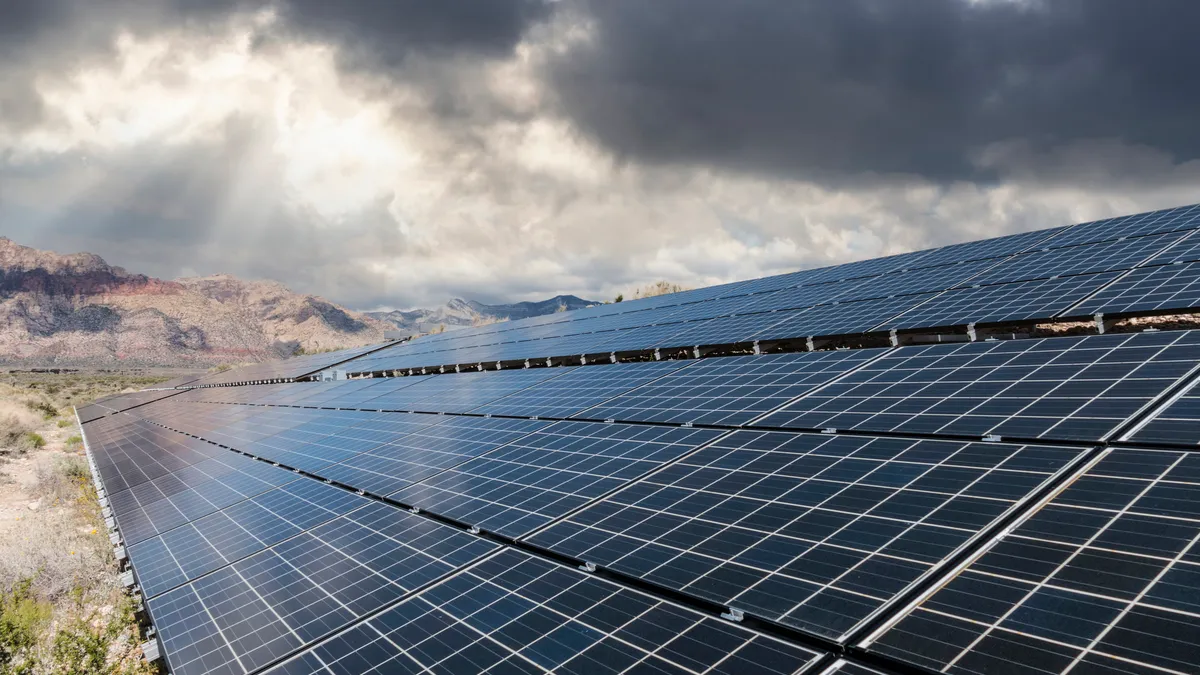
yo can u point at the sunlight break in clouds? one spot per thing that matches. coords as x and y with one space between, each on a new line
242 146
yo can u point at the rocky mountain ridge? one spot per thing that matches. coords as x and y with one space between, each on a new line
79 310
76 310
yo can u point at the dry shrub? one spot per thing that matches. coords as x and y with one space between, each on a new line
17 421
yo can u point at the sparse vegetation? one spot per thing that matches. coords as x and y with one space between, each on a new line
62 610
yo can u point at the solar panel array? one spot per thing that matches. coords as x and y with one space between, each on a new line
994 506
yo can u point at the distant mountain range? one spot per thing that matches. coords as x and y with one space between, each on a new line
77 310
459 313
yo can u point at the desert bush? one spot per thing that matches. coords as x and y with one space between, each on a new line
33 440
65 422
15 422
22 620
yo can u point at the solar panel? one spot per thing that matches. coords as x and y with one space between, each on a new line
844 667
211 542
940 515
1102 579
1176 423
245 616
1081 388
424 454
730 390
208 487
813 531
844 318
1020 301
1186 250
1148 289
1102 257
1136 225
579 389
513 613
998 247
524 485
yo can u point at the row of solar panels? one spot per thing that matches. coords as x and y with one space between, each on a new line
1146 263
1058 389
244 563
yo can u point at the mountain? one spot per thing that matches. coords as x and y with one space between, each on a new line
459 313
79 310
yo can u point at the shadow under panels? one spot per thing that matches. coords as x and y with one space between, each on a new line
1101 580
813 531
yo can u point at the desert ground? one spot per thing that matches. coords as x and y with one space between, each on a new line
62 609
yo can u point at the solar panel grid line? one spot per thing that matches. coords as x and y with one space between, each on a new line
1073 310
1094 594
1131 432
1072 389
300 528
1041 584
815 391
575 618
732 601
865 640
587 500
324 559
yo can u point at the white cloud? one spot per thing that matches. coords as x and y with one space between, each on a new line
367 191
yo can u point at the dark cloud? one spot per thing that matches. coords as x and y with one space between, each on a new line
811 89
385 32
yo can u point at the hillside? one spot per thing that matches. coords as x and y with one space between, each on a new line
79 310
459 313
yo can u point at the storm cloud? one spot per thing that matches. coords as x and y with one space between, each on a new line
399 153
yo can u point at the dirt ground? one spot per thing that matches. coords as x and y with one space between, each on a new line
62 609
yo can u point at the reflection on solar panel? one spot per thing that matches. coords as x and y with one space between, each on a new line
731 390
968 507
1056 388
245 616
579 390
1003 302
1102 579
214 541
516 614
843 667
816 532
550 473
1176 424
1148 289
1105 257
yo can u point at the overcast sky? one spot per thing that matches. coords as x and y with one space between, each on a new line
395 153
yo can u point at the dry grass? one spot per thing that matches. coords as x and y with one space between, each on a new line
62 609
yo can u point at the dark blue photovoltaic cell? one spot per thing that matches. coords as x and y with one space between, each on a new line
1148 289
224 537
729 390
515 614
843 318
1080 388
579 389
998 303
1136 225
529 482
418 456
1102 579
244 616
232 479
815 531
1090 258
1177 423
999 247
1186 250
